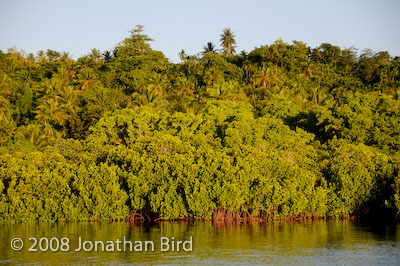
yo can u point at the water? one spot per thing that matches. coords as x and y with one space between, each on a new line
314 243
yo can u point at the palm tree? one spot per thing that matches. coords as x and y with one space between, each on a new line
50 110
212 76
5 92
308 68
68 98
268 76
182 55
159 82
86 79
222 90
185 87
228 41
95 55
32 135
36 137
107 56
209 48
148 95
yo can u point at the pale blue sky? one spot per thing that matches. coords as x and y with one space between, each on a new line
78 26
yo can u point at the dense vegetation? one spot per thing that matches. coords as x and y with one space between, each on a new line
282 131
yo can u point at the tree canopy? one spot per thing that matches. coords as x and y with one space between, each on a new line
283 131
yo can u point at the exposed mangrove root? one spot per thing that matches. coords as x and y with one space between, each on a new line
137 217
222 216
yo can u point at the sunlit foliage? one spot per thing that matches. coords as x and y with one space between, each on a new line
285 130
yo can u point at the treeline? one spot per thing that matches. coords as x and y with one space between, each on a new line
283 131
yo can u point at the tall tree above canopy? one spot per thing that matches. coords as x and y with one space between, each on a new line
182 55
136 44
138 39
228 41
210 47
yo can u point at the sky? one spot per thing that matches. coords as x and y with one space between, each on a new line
78 26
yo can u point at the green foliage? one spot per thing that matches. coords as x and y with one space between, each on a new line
282 131
228 42
370 118
179 165
353 172
36 188
46 187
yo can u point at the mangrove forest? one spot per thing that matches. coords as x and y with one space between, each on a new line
283 131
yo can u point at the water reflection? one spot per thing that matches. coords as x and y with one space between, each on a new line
305 243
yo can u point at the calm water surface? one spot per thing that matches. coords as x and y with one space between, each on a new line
314 243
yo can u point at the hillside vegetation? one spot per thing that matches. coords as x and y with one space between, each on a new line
282 131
